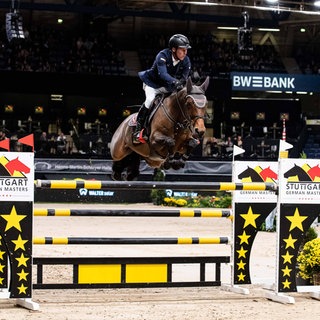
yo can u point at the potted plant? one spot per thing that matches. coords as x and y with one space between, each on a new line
157 195
309 261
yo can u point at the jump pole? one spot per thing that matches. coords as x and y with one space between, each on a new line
128 241
183 213
149 185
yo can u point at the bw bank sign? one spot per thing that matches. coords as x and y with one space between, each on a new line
242 81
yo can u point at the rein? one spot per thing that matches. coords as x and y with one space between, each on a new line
187 121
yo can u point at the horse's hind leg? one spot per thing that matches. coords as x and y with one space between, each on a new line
117 169
133 166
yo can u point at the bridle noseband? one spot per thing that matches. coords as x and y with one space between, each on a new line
199 100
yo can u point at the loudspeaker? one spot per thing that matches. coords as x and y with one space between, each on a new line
14 27
245 41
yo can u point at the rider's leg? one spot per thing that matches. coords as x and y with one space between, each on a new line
143 112
141 118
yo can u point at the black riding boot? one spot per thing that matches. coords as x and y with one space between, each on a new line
137 137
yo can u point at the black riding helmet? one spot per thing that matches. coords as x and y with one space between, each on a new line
179 41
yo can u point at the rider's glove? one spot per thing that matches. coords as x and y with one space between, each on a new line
179 85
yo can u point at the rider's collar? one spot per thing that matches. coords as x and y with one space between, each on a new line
175 61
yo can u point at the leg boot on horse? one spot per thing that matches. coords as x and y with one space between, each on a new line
138 136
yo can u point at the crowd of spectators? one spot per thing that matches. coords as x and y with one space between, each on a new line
213 57
54 50
308 60
49 50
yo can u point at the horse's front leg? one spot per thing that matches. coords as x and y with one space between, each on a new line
191 144
166 144
166 149
180 162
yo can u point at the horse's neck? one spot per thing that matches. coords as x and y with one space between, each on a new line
174 105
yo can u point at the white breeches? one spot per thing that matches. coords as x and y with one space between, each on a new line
151 94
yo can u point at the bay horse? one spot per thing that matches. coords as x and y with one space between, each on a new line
174 128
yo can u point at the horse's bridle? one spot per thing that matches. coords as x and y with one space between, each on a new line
187 122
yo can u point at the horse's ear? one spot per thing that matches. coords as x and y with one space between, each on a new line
205 84
189 85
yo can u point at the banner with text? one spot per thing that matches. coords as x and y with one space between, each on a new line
247 81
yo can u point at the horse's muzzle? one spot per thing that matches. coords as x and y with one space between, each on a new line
199 133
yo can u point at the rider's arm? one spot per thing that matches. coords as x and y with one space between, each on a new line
186 68
161 62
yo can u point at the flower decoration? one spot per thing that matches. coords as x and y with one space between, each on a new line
309 259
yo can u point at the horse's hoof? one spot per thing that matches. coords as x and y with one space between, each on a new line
116 176
166 166
178 164
131 177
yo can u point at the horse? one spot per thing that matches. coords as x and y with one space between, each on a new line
174 128
296 173
252 174
267 173
16 165
314 172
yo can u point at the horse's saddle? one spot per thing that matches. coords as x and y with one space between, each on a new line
153 108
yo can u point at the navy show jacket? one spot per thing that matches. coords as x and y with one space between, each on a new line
163 73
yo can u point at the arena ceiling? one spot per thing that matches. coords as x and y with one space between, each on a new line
227 12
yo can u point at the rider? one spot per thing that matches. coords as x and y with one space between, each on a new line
168 73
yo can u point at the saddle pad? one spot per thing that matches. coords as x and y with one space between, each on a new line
133 121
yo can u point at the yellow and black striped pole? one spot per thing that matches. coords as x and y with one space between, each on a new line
185 212
148 185
128 241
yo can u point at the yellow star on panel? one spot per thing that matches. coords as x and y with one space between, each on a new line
289 242
22 260
22 288
296 220
22 275
286 271
286 284
1 254
244 237
241 276
1 267
19 243
250 218
1 280
287 257
242 253
241 265
13 219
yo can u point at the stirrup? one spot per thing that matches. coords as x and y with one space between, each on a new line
138 137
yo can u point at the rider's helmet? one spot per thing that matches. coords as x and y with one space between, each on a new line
179 41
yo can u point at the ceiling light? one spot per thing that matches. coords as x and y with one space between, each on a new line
317 3
14 27
227 28
269 29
